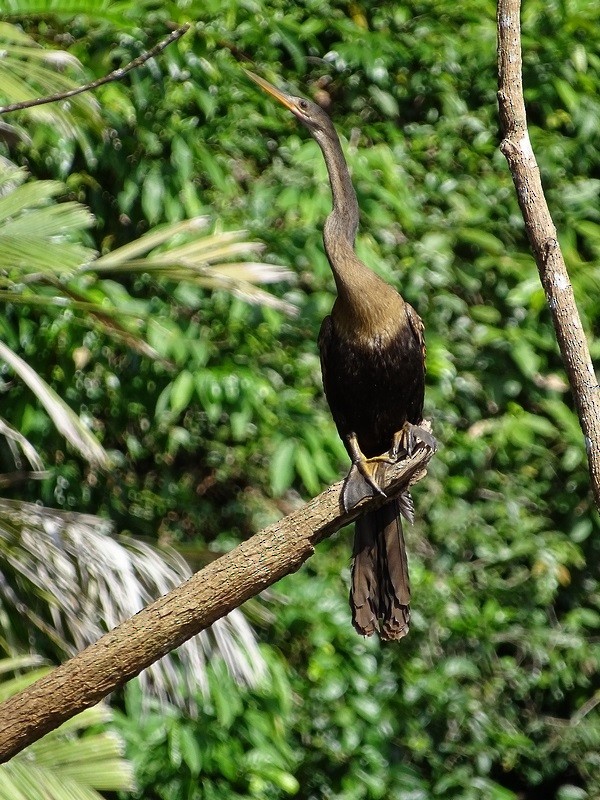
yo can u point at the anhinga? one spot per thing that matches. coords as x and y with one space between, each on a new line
373 364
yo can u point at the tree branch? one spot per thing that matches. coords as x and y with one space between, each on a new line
517 149
115 75
173 619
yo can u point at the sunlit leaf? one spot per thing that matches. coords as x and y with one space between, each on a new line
200 260
28 71
65 419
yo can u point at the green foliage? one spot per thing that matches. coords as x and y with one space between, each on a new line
42 264
237 747
29 71
494 693
78 762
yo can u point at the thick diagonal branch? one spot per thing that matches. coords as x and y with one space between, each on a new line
542 235
161 627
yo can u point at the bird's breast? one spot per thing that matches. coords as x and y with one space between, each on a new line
373 384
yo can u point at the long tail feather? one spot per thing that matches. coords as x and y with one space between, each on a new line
380 589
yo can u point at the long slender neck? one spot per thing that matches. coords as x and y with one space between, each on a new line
343 220
365 302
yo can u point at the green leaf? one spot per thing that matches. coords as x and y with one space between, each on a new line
482 239
525 357
307 470
65 419
153 190
182 390
190 751
282 466
386 102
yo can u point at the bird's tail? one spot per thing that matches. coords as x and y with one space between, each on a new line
380 590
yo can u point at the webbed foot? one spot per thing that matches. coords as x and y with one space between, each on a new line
362 480
359 483
364 476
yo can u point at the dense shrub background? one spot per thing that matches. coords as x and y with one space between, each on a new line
494 693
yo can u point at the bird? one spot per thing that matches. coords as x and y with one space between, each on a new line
372 351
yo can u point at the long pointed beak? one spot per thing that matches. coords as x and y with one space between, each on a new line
270 89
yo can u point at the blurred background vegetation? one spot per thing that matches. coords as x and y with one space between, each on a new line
162 281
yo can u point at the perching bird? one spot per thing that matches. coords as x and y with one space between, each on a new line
373 364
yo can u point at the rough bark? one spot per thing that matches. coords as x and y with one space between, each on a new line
165 624
517 149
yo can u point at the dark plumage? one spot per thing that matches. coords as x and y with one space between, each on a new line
373 390
373 364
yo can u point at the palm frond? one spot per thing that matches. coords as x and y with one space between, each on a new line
115 260
37 235
42 262
91 580
73 761
16 441
201 260
28 71
65 419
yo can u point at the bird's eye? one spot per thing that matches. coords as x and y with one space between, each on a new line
303 105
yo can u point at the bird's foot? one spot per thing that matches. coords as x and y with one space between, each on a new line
406 439
366 474
361 481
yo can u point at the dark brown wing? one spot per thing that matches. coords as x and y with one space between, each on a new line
418 328
323 343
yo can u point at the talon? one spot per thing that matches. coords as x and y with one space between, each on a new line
397 446
410 435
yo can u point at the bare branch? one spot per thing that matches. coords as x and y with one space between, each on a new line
115 75
517 149
165 624
8 479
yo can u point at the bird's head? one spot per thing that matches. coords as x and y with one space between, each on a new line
308 113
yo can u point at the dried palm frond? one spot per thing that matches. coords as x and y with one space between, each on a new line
87 581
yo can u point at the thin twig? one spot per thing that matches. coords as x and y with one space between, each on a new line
585 709
208 595
115 75
517 149
22 476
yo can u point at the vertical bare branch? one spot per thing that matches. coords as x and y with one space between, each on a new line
542 235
